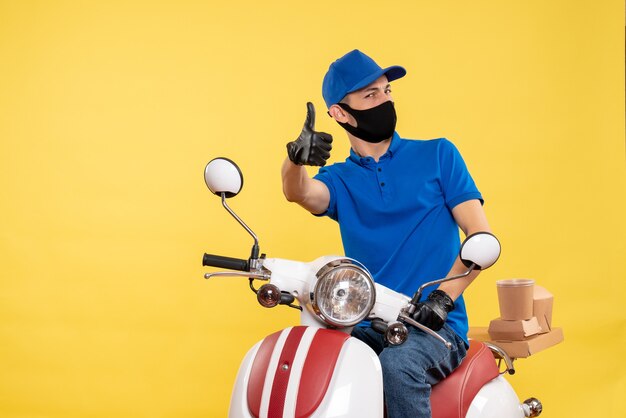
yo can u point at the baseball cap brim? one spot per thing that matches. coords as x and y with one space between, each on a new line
393 73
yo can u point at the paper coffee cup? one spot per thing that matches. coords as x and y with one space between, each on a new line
515 297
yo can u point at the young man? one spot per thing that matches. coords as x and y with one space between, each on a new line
399 204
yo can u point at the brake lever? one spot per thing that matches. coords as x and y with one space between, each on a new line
427 330
251 275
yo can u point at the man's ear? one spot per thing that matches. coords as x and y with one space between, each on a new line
337 113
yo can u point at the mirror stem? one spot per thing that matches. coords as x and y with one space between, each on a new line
420 290
254 255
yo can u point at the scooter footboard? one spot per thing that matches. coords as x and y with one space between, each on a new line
308 372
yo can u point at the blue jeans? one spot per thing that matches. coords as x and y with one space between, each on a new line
410 369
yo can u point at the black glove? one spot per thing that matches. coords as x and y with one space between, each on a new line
311 147
434 310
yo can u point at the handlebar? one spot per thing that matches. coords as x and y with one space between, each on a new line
229 263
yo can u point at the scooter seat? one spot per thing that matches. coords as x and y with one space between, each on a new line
452 397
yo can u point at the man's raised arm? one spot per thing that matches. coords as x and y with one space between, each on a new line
310 148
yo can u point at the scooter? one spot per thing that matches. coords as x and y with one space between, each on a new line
317 369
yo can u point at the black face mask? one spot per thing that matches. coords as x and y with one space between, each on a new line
373 125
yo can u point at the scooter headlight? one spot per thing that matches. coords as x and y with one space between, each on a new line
344 293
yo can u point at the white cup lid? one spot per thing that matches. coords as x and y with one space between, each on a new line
515 283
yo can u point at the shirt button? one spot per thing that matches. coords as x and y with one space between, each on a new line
380 169
382 184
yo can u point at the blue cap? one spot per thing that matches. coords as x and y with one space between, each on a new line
352 72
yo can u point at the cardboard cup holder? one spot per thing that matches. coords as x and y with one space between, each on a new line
525 323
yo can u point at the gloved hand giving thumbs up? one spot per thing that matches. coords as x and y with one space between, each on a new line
311 147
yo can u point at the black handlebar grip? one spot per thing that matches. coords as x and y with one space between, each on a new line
225 262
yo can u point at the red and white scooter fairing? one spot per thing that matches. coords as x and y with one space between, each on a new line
317 369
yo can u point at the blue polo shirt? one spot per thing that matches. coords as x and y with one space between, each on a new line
395 215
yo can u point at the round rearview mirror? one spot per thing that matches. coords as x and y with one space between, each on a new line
222 175
481 249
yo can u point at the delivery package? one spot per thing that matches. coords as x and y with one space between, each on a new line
501 329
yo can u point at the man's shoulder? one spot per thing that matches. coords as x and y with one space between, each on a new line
337 169
424 145
423 142
339 166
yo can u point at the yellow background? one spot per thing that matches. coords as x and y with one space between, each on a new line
109 111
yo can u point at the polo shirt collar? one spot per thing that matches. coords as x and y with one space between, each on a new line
365 161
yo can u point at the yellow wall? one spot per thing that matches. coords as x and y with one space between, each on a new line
109 111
